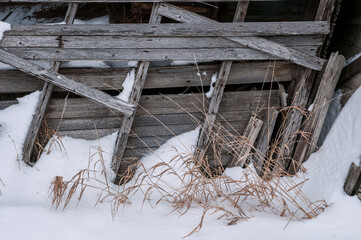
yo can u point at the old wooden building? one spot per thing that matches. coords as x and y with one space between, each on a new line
261 63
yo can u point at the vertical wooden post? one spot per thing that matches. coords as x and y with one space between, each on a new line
301 95
33 132
119 167
314 123
222 77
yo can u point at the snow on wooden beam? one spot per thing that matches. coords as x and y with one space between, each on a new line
66 83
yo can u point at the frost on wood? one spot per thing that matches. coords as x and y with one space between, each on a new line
127 86
4 26
211 88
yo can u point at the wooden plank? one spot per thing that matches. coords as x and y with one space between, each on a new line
263 45
313 124
251 132
158 77
144 42
68 124
122 138
279 50
140 54
287 132
118 1
353 180
35 125
264 139
141 131
66 83
209 29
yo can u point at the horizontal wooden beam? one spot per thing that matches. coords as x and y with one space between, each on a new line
144 42
123 1
158 104
209 54
12 81
244 29
66 83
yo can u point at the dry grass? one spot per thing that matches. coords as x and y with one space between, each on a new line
188 180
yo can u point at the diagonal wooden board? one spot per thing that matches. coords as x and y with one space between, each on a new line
121 167
256 43
185 16
66 83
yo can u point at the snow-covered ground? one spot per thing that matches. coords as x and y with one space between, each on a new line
25 201
26 210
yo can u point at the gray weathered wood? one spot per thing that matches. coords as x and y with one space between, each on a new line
66 83
353 180
283 95
135 94
222 77
263 45
116 1
45 96
313 124
169 104
158 77
287 133
264 139
203 29
60 54
145 42
278 50
242 153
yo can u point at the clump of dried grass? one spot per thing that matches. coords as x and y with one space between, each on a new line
198 184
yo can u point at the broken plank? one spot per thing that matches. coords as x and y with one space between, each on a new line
66 83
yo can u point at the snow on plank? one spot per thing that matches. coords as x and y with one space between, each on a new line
66 83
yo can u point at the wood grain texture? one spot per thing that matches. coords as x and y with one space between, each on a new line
115 1
123 134
251 132
263 45
13 81
145 42
140 54
35 125
205 29
353 180
264 139
313 124
66 83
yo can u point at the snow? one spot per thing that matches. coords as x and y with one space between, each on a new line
25 202
211 87
4 27
127 86
84 64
